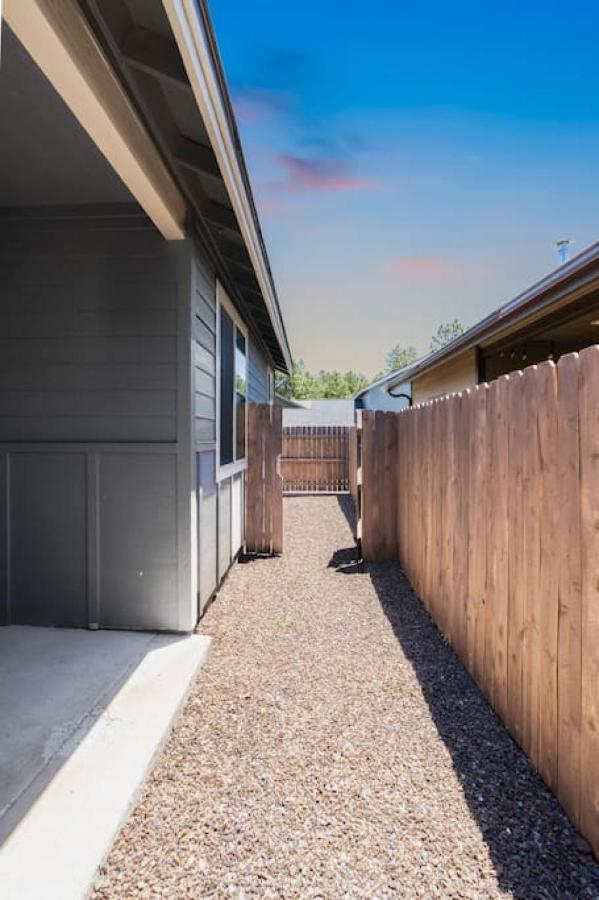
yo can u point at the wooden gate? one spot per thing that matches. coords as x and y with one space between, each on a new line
315 459
264 485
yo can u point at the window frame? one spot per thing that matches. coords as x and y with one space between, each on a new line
238 465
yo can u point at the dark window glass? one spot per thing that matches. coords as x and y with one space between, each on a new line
226 388
240 394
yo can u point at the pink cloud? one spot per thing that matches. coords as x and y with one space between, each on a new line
320 174
422 268
270 207
255 106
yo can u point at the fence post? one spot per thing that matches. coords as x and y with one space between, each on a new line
264 485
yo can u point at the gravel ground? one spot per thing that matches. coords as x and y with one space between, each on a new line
334 747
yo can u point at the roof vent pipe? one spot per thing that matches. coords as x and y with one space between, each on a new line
563 251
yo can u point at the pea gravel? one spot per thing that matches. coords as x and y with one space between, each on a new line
334 747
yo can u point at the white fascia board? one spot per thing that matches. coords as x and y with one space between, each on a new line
190 35
58 37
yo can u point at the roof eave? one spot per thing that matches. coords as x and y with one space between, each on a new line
193 35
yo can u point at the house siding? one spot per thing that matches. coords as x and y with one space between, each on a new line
204 349
448 378
88 335
94 478
257 374
220 503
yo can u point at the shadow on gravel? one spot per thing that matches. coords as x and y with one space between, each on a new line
535 850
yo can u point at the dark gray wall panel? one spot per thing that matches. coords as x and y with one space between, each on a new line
138 540
88 328
224 527
3 543
207 526
48 542
257 375
114 429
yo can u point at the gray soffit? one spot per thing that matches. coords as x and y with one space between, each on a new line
137 38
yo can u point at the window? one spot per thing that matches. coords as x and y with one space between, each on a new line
233 387
240 394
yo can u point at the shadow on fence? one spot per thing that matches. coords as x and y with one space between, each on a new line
535 850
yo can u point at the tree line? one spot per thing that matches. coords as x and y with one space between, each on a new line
301 384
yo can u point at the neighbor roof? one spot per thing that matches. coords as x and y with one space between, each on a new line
320 412
583 269
378 383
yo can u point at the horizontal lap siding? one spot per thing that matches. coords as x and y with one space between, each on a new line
257 375
204 351
213 526
88 334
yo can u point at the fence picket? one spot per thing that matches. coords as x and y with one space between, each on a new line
491 501
589 493
570 600
316 459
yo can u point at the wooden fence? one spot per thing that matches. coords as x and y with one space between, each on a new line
315 459
490 499
352 458
263 484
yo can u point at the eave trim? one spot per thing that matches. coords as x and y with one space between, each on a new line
191 37
63 45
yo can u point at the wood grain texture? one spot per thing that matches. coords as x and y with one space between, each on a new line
589 506
495 511
316 458
570 598
264 485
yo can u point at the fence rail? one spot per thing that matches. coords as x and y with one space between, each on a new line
315 459
490 499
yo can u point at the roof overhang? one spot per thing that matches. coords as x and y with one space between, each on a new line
195 40
146 83
564 285
63 45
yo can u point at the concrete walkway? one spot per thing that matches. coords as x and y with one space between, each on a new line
82 716
334 746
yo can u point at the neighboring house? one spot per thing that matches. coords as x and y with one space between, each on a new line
319 412
138 315
376 395
288 403
557 315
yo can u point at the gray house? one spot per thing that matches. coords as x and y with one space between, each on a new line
138 315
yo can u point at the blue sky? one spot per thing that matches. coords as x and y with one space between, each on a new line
412 163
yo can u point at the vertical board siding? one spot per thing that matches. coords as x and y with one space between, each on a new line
315 458
490 500
264 485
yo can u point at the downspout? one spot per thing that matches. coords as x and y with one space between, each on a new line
400 395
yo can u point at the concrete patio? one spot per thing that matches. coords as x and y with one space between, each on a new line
82 715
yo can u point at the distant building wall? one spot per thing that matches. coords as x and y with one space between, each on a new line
321 412
449 378
378 398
